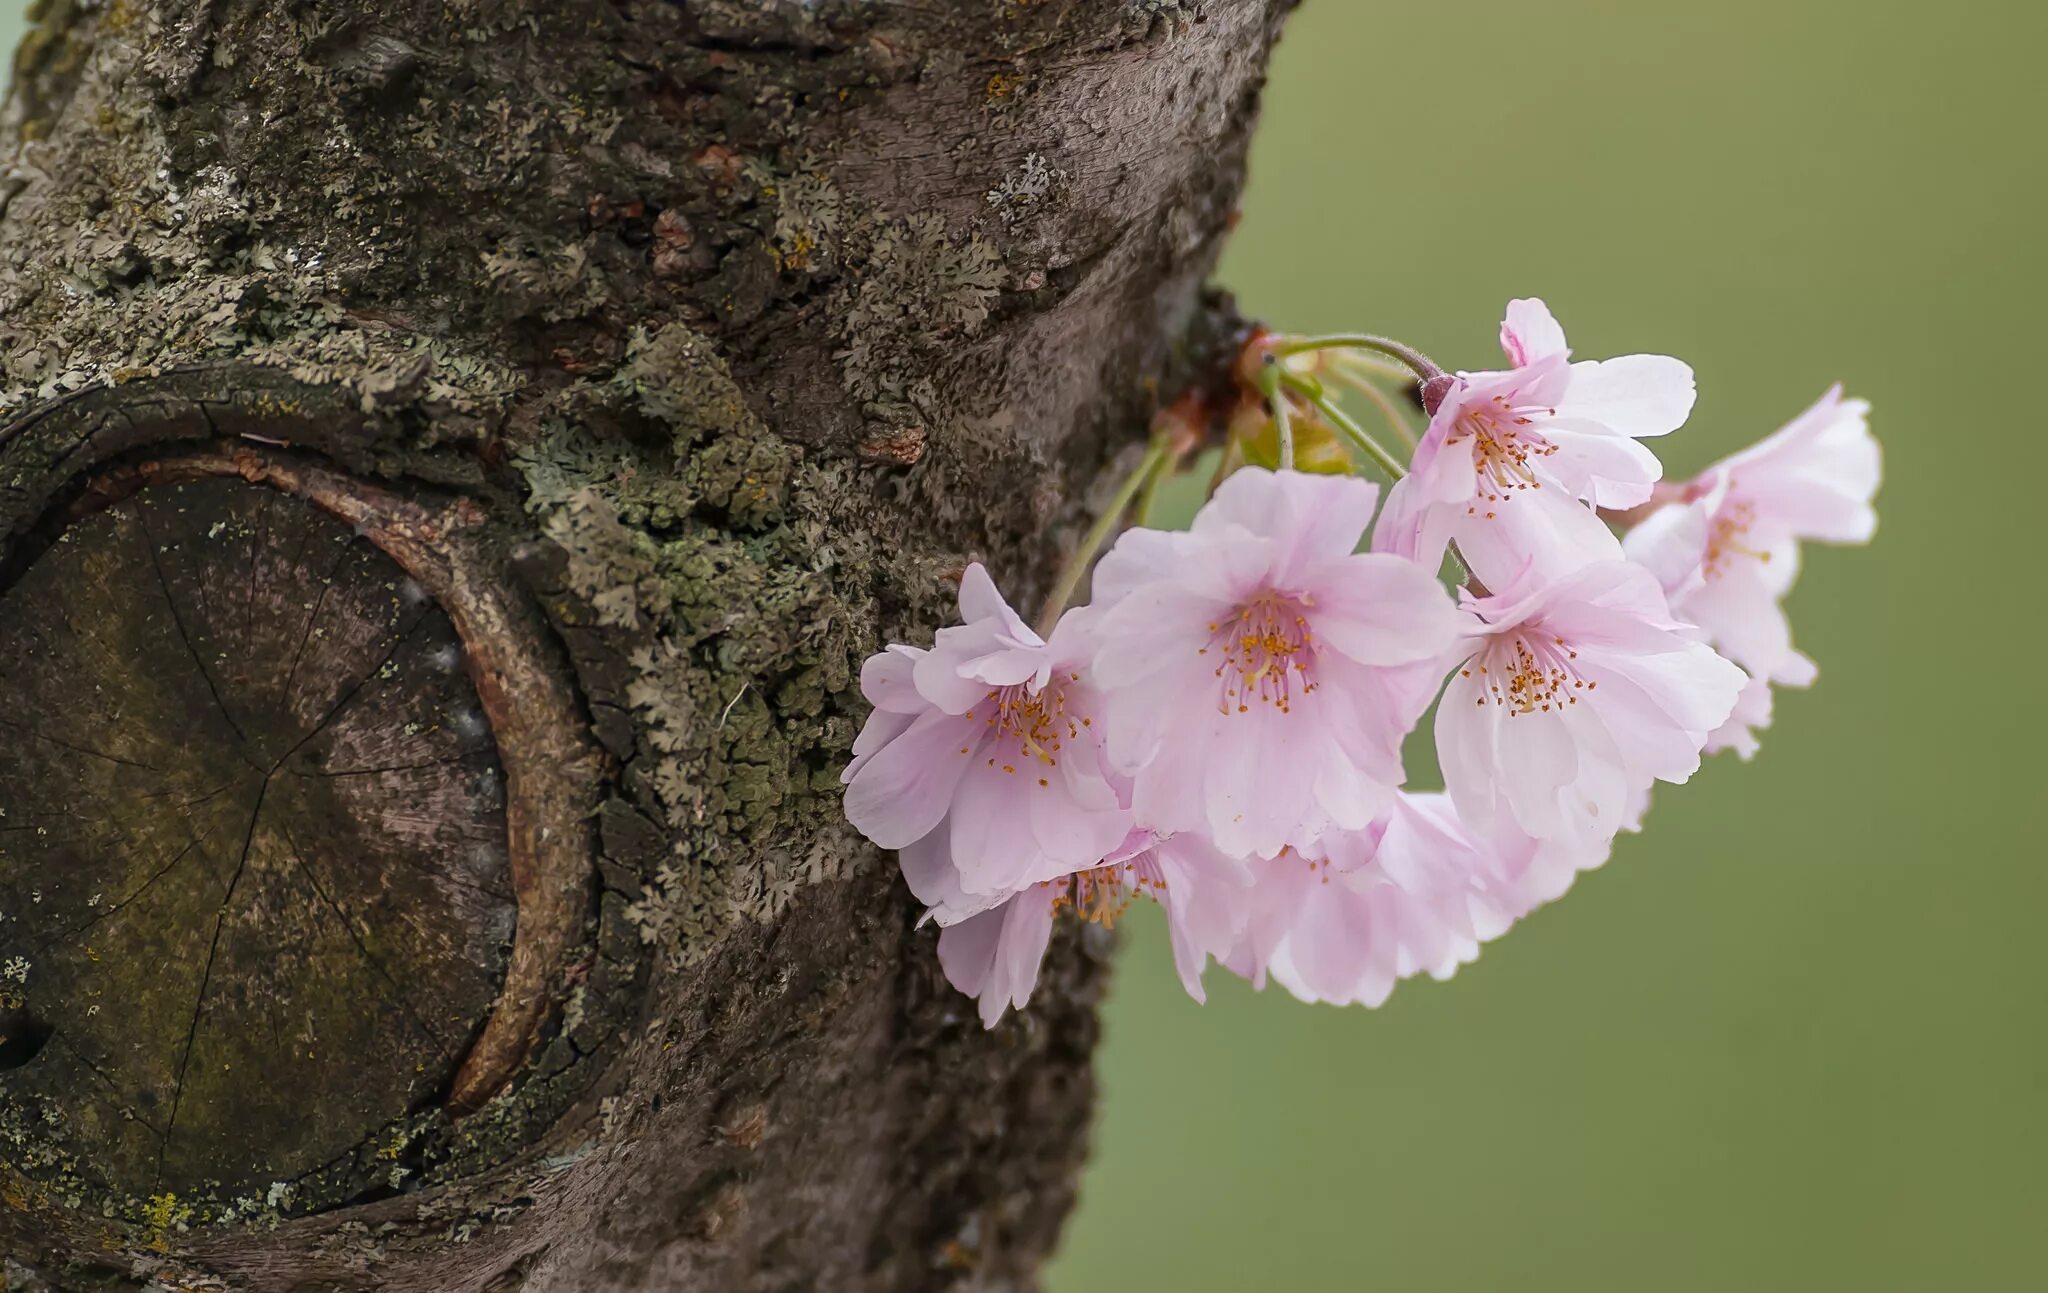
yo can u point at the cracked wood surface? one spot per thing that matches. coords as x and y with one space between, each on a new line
254 852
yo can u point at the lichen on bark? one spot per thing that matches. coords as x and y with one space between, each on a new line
743 327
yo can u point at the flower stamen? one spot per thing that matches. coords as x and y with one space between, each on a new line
1530 675
1267 646
1727 538
1028 726
1502 446
1102 895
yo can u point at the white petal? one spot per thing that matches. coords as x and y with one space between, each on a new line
1604 469
1635 395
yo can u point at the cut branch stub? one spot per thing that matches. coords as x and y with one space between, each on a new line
294 848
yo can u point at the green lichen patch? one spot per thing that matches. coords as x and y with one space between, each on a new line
921 293
740 583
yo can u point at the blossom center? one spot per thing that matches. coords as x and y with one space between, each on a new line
1101 895
1503 445
1024 729
1528 673
1264 649
1728 538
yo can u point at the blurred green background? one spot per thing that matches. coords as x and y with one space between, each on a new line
1796 1035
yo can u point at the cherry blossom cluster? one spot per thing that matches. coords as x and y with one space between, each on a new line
1220 729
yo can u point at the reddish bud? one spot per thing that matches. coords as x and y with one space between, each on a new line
1434 390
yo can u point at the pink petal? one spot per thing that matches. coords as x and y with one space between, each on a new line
1205 899
887 683
1543 531
902 791
993 842
1815 477
1660 697
1159 627
1139 557
995 956
1752 714
979 601
927 867
1077 819
1310 516
1657 745
1595 805
1635 395
1670 543
1413 527
881 728
940 674
1256 798
1529 332
1536 757
1742 614
1465 735
1381 610
1625 600
1281 886
1598 466
1350 796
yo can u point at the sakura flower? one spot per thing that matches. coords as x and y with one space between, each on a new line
1257 673
994 954
1511 459
991 735
1728 552
1576 695
1415 894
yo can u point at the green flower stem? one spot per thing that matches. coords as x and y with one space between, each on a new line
1270 378
1373 366
1351 431
1422 365
1379 400
1155 484
1154 464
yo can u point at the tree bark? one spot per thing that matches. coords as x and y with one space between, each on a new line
454 459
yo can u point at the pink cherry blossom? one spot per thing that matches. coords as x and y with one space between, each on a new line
1417 893
1512 459
1576 695
1751 715
1728 551
1258 674
987 748
993 953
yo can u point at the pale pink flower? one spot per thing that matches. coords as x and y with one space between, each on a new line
991 741
1417 893
992 952
994 955
1258 674
1728 552
1751 715
1576 695
1512 459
